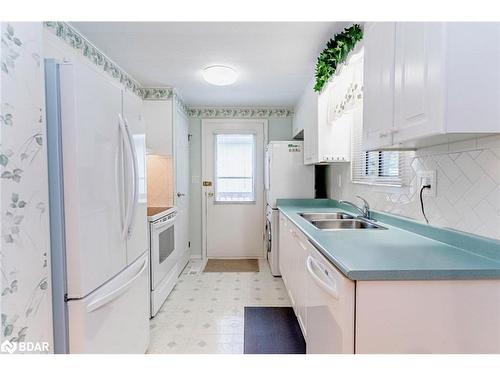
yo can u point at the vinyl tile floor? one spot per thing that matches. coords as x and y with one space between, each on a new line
204 312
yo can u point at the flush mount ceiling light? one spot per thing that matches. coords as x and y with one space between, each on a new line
220 75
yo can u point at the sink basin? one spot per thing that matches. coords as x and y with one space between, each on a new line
312 216
345 224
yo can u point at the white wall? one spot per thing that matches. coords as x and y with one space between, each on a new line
468 187
279 129
26 301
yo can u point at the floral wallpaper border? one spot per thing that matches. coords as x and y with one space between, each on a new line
74 39
239 112
87 49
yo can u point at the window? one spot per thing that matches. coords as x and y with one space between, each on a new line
375 167
382 164
234 168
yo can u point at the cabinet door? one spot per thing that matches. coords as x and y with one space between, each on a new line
378 84
284 258
306 117
301 252
419 57
137 242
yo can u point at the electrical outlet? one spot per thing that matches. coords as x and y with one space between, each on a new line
427 178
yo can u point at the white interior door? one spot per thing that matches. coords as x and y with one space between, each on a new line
233 196
181 192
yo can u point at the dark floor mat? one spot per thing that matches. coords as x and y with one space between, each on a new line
272 330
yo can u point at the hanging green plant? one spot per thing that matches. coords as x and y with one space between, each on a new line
335 53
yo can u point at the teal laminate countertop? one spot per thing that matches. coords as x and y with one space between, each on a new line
407 250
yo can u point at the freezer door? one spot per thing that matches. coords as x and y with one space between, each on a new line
114 318
93 178
288 176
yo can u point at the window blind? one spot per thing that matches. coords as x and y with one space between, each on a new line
376 167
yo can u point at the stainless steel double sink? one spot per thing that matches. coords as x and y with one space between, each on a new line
338 221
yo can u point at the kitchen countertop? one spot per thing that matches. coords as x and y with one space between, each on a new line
407 250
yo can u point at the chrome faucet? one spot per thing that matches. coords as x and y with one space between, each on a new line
365 211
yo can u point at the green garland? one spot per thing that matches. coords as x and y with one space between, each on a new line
335 53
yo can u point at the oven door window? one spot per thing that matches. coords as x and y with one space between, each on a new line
166 243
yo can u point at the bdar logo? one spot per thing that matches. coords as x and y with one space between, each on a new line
8 347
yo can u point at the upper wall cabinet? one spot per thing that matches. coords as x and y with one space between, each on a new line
158 117
378 78
328 140
428 83
305 112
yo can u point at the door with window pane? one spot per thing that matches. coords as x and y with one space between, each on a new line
232 160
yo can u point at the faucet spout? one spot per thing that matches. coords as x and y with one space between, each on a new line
365 210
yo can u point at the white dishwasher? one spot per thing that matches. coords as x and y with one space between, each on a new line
329 307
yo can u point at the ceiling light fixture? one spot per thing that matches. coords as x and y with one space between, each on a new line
220 75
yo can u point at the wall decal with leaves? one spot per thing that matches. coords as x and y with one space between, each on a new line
24 252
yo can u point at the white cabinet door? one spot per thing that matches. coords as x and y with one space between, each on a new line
300 256
284 253
419 92
378 84
93 182
137 241
181 182
306 119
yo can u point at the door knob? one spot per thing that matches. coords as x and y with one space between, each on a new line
180 195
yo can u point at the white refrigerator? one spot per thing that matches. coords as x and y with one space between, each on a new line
97 194
285 176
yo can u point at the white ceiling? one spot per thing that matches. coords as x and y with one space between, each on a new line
275 60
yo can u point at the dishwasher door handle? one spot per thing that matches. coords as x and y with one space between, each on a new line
330 288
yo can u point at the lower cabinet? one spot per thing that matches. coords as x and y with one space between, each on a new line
338 315
292 268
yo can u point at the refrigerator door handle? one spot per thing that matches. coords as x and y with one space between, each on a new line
135 178
128 204
99 302
268 171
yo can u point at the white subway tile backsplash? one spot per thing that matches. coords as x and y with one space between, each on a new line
448 166
468 167
468 187
489 163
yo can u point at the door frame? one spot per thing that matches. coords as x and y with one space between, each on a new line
204 122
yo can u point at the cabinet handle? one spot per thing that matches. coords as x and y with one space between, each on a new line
383 135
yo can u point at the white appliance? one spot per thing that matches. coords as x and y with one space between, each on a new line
285 176
329 307
100 263
164 256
